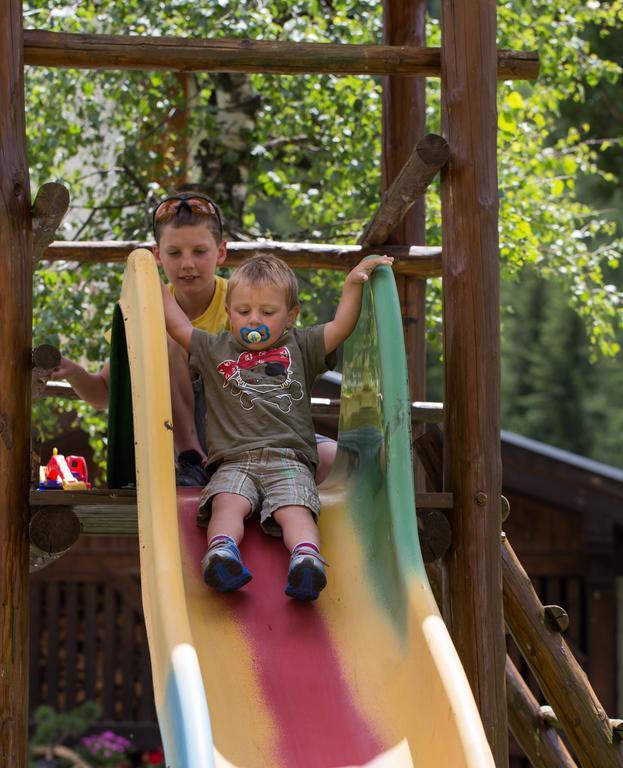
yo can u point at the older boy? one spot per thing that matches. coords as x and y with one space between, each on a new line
189 245
258 379
188 229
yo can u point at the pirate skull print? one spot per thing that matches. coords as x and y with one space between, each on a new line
264 375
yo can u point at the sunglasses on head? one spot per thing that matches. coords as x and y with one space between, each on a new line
196 202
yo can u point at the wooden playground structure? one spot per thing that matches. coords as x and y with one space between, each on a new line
480 584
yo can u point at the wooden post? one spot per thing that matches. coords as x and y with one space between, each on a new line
472 463
404 123
15 362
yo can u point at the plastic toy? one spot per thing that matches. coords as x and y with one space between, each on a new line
68 474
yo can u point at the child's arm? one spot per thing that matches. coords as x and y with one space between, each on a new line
347 313
178 325
90 387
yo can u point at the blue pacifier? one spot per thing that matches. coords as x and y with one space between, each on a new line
255 335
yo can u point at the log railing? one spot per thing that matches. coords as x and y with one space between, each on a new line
59 49
563 682
418 261
534 732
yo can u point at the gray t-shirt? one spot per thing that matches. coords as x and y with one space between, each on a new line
260 399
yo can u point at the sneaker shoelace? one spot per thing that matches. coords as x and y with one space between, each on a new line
304 549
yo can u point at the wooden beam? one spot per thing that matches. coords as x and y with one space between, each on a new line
435 534
52 533
536 736
418 261
429 156
429 448
104 512
15 346
585 723
45 358
99 512
471 289
50 206
60 49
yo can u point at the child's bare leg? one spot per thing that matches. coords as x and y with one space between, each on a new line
228 513
297 524
306 576
185 437
326 457
222 566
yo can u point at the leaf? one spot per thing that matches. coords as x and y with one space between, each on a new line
515 100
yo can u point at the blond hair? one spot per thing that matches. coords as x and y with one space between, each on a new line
266 270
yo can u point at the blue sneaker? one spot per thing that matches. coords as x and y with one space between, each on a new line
222 566
306 576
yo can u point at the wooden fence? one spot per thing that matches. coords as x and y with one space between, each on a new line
88 640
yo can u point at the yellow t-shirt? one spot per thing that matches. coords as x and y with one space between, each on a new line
214 319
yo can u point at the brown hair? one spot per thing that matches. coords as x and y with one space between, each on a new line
266 270
183 209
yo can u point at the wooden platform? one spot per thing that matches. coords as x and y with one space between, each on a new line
113 512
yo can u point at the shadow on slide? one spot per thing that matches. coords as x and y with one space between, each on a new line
367 675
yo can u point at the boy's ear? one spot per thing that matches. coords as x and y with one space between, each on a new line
292 315
222 252
157 254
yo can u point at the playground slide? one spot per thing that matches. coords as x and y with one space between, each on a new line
366 675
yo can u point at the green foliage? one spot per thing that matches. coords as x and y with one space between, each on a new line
52 727
544 223
550 390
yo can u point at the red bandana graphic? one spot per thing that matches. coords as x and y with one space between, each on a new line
248 360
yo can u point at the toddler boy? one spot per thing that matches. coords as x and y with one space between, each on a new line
257 379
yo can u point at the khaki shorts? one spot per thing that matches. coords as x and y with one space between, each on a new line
269 478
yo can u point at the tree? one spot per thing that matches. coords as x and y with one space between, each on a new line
545 368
